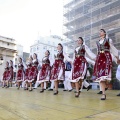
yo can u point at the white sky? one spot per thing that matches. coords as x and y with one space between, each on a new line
24 20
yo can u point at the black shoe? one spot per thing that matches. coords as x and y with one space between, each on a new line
89 87
99 92
18 88
50 89
77 94
42 91
104 97
64 90
55 93
106 89
70 90
118 94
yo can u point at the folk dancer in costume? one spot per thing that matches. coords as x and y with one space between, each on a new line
103 63
11 73
44 73
32 77
58 68
20 73
6 75
79 67
27 72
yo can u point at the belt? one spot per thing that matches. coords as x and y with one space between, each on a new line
58 59
79 55
102 51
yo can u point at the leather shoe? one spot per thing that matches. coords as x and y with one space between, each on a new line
99 92
89 87
118 94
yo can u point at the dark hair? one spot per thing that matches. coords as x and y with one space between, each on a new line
20 58
103 31
31 57
48 52
81 38
60 45
35 55
11 61
7 62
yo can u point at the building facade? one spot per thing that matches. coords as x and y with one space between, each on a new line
86 17
45 43
8 51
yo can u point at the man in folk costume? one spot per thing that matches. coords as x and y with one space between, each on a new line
32 77
44 73
79 66
20 72
103 63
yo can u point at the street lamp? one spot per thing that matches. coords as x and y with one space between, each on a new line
1 60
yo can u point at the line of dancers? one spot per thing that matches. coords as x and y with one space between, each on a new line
55 71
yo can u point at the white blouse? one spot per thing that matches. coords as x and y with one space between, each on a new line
113 50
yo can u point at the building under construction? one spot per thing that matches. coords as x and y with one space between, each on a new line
86 17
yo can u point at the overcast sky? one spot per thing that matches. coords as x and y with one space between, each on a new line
24 20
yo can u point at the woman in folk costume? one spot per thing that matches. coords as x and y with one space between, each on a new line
32 77
6 75
27 72
103 64
79 67
20 72
10 74
58 68
44 73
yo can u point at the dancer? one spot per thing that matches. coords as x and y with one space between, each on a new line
103 64
79 68
27 72
6 75
44 74
32 77
20 73
10 74
58 68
